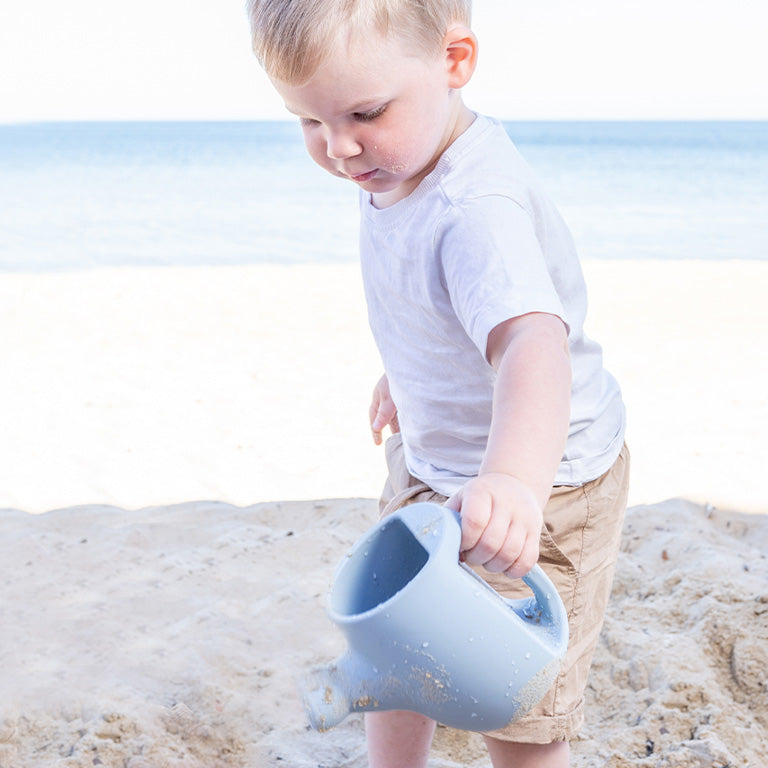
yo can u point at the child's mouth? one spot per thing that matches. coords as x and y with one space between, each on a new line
363 177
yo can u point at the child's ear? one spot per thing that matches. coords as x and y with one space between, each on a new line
460 48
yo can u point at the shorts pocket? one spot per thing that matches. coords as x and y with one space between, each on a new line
560 569
550 553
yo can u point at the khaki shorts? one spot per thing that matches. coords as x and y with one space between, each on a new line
578 548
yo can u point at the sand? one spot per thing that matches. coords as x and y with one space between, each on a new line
186 459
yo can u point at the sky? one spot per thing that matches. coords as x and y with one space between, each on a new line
541 59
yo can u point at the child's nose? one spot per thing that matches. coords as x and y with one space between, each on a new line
342 145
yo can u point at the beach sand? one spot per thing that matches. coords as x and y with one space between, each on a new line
186 459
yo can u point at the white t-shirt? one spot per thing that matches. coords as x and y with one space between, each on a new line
475 244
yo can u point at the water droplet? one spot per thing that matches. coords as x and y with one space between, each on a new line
471 639
527 655
365 554
517 671
474 714
425 645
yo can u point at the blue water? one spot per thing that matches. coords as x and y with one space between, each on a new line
82 195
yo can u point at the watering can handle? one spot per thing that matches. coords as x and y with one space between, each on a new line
546 607
549 606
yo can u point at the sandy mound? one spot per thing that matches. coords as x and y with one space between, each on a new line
171 637
679 678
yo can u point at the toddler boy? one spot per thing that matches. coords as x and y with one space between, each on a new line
498 403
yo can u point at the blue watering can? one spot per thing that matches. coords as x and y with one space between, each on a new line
427 634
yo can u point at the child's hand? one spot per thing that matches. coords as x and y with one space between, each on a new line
500 523
383 411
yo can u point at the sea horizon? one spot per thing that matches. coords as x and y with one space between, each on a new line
83 194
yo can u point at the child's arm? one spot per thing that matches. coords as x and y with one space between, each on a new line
501 509
382 411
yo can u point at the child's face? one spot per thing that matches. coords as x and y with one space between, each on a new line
377 116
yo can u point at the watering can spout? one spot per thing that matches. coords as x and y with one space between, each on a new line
325 696
330 692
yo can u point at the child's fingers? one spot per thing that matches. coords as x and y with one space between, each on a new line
500 525
373 408
528 557
384 415
376 429
498 544
454 502
382 411
374 417
376 434
475 506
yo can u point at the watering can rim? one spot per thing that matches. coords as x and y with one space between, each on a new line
450 541
428 515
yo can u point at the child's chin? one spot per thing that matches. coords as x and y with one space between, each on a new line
380 183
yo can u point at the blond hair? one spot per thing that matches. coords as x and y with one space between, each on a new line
291 38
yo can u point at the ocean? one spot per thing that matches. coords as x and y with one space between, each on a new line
87 195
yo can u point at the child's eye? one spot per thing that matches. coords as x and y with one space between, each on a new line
305 122
365 117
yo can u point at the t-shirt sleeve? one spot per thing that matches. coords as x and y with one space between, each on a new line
493 266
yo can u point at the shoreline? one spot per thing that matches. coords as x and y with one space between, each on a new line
146 386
